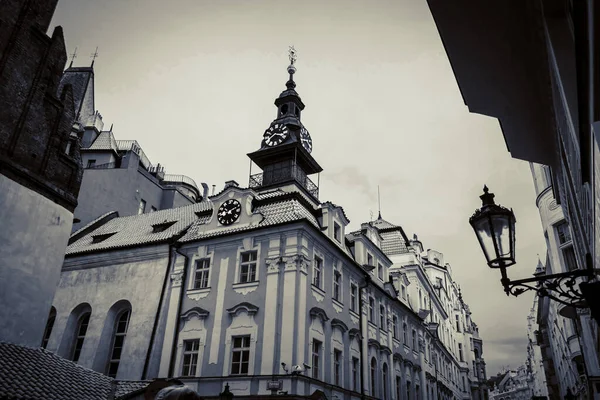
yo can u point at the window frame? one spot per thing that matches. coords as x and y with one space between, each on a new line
372 309
252 265
337 367
380 271
111 359
193 355
83 322
337 232
337 285
316 356
353 297
205 273
382 317
355 373
141 207
317 278
241 350
394 326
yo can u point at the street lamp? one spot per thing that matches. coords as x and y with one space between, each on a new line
494 227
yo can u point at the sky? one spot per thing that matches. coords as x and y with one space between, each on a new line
194 83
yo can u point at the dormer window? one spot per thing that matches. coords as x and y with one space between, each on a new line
162 227
380 271
101 237
337 232
369 259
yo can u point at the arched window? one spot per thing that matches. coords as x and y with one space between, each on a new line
385 381
118 341
82 325
49 326
373 376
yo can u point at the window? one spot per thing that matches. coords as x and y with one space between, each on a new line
373 376
414 340
457 323
49 326
405 333
248 267
382 317
152 209
369 259
142 207
408 390
317 271
417 392
353 297
337 232
384 375
316 358
563 233
566 245
380 271
355 373
476 353
337 281
120 331
91 163
460 352
190 357
201 273
82 326
398 387
403 292
337 367
395 327
372 309
240 355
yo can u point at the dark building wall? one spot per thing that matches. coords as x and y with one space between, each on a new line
39 182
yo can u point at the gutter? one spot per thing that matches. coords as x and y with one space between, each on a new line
362 359
158 311
179 307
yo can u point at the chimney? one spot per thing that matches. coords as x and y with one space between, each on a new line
204 190
230 184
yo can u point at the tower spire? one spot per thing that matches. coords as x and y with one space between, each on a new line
379 202
93 56
73 57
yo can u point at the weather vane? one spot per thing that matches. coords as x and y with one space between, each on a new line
292 54
94 55
73 57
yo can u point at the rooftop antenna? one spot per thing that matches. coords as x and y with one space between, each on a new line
371 212
379 201
94 55
73 57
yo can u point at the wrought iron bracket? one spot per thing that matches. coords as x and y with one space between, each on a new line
561 287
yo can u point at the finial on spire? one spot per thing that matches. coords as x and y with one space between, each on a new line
73 57
293 56
111 126
94 55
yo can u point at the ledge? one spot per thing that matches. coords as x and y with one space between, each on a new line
245 287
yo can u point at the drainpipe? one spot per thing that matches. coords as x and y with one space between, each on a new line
158 310
179 306
362 358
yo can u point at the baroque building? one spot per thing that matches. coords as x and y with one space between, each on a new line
539 59
118 175
512 385
560 337
262 290
535 362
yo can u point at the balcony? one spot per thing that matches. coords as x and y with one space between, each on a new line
284 175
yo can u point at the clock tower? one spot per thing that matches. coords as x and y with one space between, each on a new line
285 153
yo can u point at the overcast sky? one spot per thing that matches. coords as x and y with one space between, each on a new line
194 82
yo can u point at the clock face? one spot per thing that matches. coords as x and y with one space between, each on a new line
276 134
305 139
229 212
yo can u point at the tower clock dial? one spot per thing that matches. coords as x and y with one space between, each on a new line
305 139
229 212
276 134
